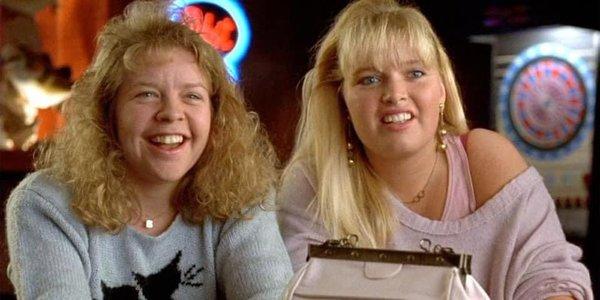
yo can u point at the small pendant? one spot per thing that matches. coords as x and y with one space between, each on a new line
149 224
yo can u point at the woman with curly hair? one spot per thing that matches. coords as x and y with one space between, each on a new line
384 152
156 183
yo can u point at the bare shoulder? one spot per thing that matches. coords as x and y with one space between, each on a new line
493 162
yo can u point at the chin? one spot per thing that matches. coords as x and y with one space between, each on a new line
172 176
169 174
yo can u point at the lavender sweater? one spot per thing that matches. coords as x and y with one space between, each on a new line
518 247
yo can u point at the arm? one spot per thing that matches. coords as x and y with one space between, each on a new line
296 221
45 249
251 262
544 264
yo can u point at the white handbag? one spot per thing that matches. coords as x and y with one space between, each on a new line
337 270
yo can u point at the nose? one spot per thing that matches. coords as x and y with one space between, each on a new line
171 110
395 91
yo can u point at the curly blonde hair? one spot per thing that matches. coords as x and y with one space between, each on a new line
236 170
366 32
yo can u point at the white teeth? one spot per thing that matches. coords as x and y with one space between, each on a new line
398 118
168 139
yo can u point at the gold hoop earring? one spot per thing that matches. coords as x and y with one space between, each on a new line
441 132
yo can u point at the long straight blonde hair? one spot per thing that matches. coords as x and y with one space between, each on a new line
351 200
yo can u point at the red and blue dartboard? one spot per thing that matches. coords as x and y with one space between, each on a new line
546 101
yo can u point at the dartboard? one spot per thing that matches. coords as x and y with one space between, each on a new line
546 101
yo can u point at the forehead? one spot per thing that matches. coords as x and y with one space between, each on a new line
401 58
139 59
385 40
163 64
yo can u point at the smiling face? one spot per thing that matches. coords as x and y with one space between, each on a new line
394 108
163 117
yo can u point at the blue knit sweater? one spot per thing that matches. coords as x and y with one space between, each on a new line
53 255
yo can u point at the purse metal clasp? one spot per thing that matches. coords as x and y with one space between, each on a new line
426 245
347 242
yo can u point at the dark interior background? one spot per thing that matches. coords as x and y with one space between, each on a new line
285 31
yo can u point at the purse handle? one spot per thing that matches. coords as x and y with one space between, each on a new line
345 248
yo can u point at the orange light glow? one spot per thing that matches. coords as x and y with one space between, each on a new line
50 120
218 33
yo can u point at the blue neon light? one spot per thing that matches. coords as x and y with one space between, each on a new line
234 58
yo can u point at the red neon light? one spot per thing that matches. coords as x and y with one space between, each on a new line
219 34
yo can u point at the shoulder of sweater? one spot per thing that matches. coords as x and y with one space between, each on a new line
43 185
299 172
40 191
250 216
298 179
297 188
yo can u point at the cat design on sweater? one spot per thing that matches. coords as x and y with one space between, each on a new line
160 285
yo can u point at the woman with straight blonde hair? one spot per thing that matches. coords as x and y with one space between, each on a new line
153 188
384 152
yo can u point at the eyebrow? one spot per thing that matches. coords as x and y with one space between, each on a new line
401 64
194 85
411 62
364 69
185 85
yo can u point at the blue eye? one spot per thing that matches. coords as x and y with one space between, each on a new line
417 74
369 80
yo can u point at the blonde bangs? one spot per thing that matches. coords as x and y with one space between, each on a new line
375 40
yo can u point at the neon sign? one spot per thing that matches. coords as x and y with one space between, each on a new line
221 23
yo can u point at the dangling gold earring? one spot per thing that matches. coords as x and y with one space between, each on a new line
350 149
441 130
349 145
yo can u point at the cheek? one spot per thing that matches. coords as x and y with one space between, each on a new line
440 95
430 116
361 105
438 91
362 117
202 121
130 123
120 124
